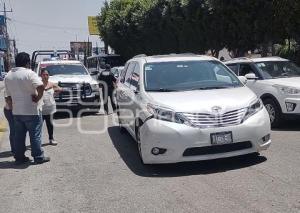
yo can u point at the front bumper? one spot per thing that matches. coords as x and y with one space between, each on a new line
88 101
295 101
177 138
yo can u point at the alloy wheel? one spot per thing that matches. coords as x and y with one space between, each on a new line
272 112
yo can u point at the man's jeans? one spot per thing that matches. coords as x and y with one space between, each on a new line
10 118
33 124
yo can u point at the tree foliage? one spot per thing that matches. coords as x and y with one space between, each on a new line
134 27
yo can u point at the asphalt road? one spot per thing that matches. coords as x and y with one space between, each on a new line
101 172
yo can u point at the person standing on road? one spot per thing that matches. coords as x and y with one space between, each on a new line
108 83
10 118
25 90
49 106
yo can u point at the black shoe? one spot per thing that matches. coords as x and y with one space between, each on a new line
41 160
22 160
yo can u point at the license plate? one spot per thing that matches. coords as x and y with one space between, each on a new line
221 138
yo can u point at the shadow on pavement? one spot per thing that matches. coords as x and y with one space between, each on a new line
6 154
74 114
289 126
13 165
127 149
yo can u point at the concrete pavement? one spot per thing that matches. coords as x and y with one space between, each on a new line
102 173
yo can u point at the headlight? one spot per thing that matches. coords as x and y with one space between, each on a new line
254 107
95 87
287 90
165 114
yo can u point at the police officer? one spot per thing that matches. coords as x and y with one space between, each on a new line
108 83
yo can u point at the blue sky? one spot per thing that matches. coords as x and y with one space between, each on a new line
48 24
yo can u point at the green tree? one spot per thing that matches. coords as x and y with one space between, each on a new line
133 27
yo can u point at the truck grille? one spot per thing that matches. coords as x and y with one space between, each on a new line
203 120
74 90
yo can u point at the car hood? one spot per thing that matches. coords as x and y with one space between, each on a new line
291 82
202 101
72 79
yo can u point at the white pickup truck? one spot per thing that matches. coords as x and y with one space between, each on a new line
80 90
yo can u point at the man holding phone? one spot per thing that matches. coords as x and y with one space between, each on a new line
25 90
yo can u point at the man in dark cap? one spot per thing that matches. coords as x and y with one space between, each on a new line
108 82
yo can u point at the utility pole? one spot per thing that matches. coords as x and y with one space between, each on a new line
6 37
15 47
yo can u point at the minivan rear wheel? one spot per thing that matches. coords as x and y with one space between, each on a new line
274 112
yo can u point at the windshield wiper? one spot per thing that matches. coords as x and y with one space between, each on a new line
161 90
213 87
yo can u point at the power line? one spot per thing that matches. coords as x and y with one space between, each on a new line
49 26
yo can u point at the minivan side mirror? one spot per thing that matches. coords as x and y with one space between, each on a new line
243 79
251 76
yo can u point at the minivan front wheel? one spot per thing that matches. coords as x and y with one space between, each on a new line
139 144
274 112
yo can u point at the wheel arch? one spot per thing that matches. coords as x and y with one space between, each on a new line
272 97
138 123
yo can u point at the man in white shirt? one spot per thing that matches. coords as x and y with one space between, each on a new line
25 89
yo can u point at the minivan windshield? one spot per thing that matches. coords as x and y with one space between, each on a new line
278 69
65 69
188 75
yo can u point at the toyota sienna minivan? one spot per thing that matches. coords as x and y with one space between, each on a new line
189 108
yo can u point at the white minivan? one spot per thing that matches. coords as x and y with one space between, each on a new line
189 108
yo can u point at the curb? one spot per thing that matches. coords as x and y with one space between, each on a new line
3 128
